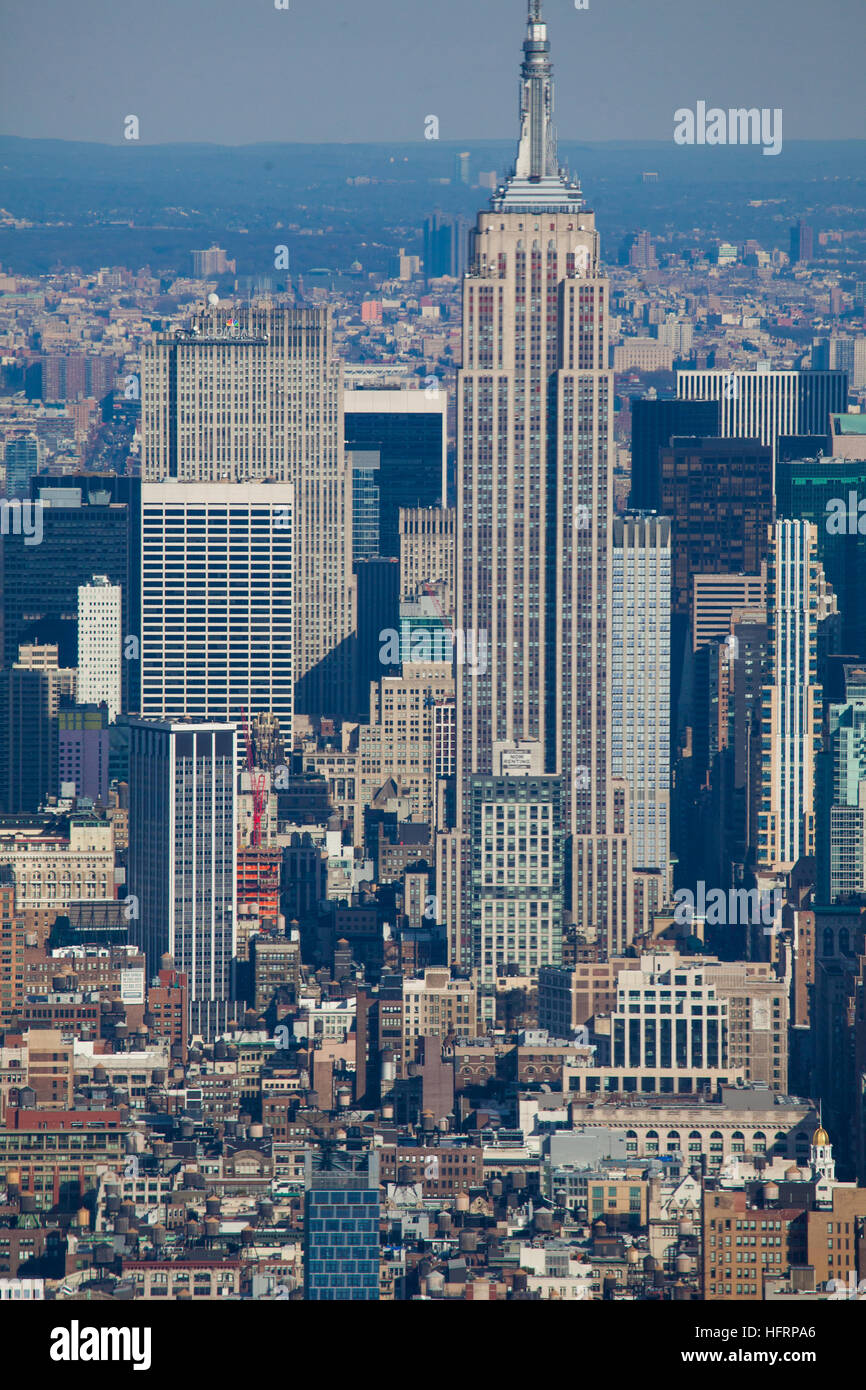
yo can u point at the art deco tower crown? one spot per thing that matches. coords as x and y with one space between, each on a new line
537 182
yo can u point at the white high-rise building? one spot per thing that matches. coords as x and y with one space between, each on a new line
640 681
792 698
658 1024
764 403
99 644
252 393
217 601
183 855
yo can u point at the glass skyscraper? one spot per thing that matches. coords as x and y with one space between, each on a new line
407 428
341 1226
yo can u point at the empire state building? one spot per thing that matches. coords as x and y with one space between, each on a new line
534 522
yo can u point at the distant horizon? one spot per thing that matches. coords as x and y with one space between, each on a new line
564 141
222 72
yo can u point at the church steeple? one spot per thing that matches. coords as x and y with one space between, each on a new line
537 183
821 1154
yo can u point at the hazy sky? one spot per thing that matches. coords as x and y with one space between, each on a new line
238 71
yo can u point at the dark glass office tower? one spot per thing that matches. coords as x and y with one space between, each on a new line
820 395
365 503
83 533
653 424
719 496
446 240
378 610
28 742
341 1226
804 488
22 461
803 446
408 431
119 490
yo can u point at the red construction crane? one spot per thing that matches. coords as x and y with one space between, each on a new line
258 786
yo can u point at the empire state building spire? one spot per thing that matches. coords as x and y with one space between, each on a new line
537 182
536 156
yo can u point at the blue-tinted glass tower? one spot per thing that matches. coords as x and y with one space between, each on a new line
341 1226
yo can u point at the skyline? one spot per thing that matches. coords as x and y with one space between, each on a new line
433 694
726 56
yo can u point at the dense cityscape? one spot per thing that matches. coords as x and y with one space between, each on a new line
433 738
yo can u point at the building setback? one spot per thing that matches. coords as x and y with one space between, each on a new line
253 395
535 460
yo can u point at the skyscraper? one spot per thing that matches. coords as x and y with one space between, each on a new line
517 845
841 800
217 600
408 429
641 252
21 457
792 699
83 745
719 496
811 489
534 500
99 644
802 242
365 503
765 403
28 741
653 425
341 1226
445 240
253 394
182 855
82 535
640 681
100 490
427 553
